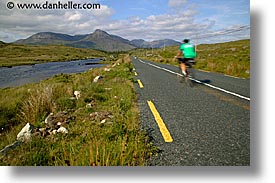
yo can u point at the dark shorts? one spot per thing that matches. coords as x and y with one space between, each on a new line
187 61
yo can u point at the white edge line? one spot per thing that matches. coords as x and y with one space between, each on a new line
211 86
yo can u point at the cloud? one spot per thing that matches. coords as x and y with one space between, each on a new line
74 17
171 26
23 23
177 3
174 23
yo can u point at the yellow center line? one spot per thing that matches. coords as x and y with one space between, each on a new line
164 131
140 83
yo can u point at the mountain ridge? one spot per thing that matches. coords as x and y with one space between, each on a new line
99 39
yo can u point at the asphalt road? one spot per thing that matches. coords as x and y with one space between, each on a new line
209 127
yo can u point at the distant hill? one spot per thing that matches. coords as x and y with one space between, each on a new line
2 43
49 38
140 43
99 39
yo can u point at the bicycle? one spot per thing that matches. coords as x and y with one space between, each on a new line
189 79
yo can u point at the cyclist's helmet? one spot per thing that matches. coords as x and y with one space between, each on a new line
186 40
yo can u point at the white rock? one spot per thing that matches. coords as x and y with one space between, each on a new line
77 94
54 132
62 130
89 105
42 129
49 118
25 134
107 69
97 78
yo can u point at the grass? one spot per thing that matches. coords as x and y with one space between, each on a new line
118 142
12 54
231 58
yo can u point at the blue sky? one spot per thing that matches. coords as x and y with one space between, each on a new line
230 11
206 20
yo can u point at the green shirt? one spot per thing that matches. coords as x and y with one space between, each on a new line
188 50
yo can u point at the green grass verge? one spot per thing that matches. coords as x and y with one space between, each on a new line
118 142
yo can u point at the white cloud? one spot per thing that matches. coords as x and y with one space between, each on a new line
173 24
104 12
24 23
74 17
177 3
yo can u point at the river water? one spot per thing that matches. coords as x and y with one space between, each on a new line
20 75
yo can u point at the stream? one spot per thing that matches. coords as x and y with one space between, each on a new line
25 74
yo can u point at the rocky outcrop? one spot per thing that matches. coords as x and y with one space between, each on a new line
102 117
54 123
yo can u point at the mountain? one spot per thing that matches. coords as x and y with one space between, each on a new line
46 38
99 39
154 44
140 43
107 42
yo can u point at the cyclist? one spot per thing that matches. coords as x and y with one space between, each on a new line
189 54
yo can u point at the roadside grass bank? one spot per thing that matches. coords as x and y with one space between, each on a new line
13 55
231 58
103 129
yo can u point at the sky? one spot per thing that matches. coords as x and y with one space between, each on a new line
202 21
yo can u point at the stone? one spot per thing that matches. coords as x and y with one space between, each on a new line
97 78
54 132
77 94
101 116
62 130
50 119
10 147
89 105
25 134
56 120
